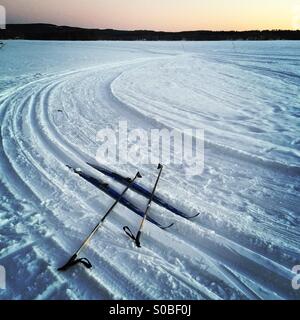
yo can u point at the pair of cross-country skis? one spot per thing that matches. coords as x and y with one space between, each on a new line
119 198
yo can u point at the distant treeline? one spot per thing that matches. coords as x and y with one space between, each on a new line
52 32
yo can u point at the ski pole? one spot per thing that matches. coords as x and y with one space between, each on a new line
139 233
73 260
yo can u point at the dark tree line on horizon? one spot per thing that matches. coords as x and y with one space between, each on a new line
53 32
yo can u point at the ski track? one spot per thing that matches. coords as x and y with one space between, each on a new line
46 210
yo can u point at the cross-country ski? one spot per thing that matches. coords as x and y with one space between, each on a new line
116 195
143 191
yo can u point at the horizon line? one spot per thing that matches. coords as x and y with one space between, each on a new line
152 30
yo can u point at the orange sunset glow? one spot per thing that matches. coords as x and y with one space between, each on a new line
168 15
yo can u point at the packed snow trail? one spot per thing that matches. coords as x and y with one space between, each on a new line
54 99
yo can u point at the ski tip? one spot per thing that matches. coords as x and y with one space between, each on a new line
167 227
195 216
71 168
76 170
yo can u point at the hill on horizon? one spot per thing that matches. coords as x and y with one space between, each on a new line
41 31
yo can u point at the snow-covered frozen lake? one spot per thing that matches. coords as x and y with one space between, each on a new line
56 96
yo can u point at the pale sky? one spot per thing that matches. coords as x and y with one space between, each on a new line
168 15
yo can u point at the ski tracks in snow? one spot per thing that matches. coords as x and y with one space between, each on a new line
47 210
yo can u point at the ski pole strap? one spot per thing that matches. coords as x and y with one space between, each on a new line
85 262
73 261
129 233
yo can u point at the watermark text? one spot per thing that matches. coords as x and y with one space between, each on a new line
184 148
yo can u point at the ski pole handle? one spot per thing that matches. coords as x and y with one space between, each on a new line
68 264
137 239
73 261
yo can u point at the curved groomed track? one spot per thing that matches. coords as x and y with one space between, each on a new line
242 246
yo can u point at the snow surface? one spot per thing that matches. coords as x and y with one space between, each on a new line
247 239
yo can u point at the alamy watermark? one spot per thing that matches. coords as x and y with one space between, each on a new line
296 279
2 278
2 17
181 148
